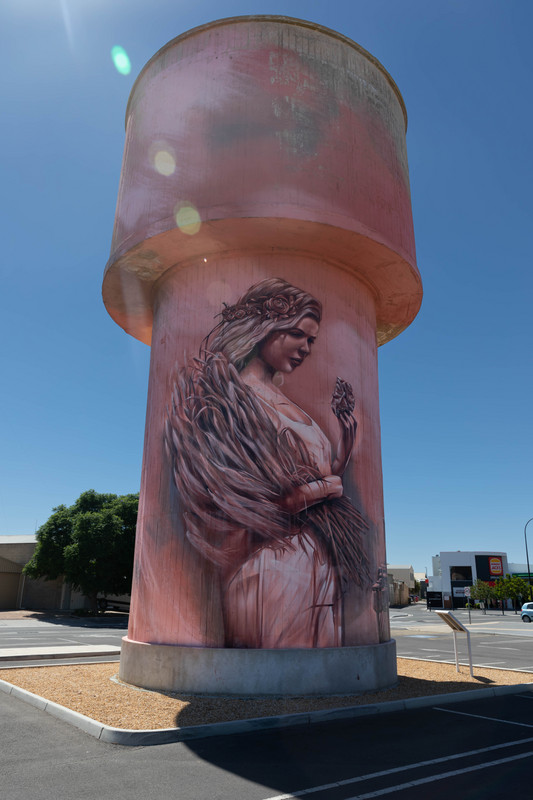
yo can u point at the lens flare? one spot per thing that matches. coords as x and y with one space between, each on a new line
121 60
162 157
164 162
187 218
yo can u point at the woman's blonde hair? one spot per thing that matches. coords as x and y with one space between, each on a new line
270 305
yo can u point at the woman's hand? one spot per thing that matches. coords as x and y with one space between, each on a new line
331 486
308 494
348 428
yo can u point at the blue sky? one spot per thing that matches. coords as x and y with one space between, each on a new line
455 388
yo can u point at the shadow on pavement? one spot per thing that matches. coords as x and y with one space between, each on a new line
294 759
105 619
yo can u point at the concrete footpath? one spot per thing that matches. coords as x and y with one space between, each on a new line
57 651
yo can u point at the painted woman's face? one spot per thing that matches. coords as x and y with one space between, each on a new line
284 351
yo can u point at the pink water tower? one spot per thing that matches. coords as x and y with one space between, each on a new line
264 247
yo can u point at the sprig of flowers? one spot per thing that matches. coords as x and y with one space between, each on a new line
273 308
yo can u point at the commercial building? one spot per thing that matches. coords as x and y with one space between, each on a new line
454 572
19 591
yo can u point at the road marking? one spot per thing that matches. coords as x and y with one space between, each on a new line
480 716
495 647
405 768
442 776
478 664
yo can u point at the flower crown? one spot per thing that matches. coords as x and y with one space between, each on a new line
275 308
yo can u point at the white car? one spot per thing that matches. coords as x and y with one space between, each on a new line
527 612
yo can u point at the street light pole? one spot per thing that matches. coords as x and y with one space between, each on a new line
527 554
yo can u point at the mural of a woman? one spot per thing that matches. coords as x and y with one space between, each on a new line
260 484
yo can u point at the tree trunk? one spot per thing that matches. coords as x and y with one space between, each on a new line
93 602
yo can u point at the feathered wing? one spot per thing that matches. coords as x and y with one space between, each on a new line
224 454
342 527
232 466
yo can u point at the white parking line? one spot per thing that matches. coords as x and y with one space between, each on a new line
406 767
440 777
498 648
480 716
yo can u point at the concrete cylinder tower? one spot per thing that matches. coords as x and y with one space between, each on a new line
264 247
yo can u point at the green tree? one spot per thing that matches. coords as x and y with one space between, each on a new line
500 592
90 544
480 590
516 589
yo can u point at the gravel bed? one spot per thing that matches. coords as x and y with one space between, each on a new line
95 690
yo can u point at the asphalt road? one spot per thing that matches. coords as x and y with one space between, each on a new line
497 640
22 637
417 616
467 750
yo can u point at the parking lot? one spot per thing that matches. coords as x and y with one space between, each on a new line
497 640
64 639
439 748
478 748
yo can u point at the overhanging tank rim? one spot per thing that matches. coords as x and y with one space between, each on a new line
302 23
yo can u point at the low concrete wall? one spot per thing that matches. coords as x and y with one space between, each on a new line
205 670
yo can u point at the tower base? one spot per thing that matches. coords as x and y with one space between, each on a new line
207 670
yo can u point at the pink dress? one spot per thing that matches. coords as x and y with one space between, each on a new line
287 597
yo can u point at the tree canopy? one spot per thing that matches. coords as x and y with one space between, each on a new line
90 544
512 587
482 591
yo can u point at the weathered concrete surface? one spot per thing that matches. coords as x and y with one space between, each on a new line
211 670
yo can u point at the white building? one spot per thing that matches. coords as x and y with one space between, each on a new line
520 570
454 571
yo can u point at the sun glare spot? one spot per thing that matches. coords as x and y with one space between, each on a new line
121 60
162 158
187 218
164 162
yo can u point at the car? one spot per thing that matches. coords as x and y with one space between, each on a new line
527 612
116 602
